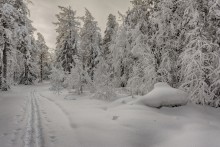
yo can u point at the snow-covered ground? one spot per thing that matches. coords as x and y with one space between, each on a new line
33 116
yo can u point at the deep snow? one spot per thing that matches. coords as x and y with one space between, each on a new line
164 95
34 116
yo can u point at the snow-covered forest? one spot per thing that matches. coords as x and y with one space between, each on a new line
24 58
172 41
160 53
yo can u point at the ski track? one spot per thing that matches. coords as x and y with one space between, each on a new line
33 133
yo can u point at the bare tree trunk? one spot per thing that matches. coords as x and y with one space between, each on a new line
14 76
41 68
26 73
0 75
5 62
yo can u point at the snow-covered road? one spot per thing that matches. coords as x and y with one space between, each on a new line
33 116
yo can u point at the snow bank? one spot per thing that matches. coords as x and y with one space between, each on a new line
163 95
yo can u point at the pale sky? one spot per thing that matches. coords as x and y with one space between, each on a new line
43 13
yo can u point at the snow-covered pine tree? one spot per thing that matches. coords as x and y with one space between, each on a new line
109 36
103 81
103 75
1 49
200 59
90 43
141 30
120 57
8 16
214 33
67 39
121 47
79 78
43 57
18 46
170 38
26 46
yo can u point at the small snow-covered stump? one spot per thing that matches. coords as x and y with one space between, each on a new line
164 95
115 117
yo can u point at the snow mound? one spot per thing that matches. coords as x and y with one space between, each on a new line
161 84
163 96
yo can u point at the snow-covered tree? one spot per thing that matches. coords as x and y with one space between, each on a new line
169 38
121 57
200 59
141 31
79 78
18 52
24 42
43 57
109 36
26 45
90 43
1 54
103 81
67 39
8 18
103 75
57 78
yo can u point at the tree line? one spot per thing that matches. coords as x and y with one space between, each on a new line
173 41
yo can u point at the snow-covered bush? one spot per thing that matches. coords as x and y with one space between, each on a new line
105 93
57 78
164 96
199 63
102 81
76 80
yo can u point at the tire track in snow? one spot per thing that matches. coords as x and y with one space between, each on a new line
66 114
33 133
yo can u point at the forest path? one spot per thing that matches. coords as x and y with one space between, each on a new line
28 119
58 127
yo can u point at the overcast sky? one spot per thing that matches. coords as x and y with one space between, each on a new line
43 13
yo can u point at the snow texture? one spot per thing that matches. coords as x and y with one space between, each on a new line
86 122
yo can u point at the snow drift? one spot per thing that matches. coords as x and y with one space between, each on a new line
164 95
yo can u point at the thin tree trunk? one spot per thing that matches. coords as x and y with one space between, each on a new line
5 85
14 77
0 76
41 68
26 73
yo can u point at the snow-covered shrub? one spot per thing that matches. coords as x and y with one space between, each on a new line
143 77
76 80
105 93
57 78
164 96
103 84
199 63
